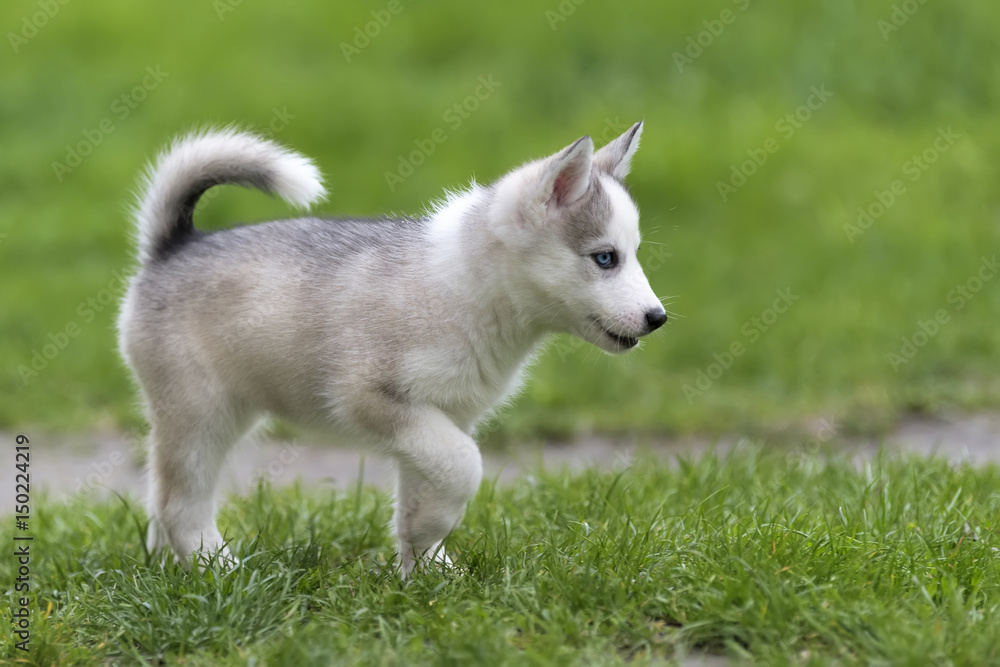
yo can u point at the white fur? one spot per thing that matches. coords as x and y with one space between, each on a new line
294 178
405 333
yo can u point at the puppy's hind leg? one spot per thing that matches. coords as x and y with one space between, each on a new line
189 442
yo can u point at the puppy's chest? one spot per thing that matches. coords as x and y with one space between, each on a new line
464 387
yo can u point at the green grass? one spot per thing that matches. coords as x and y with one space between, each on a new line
722 259
766 557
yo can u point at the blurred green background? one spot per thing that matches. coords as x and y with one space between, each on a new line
103 86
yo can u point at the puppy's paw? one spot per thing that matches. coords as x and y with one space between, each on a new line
433 560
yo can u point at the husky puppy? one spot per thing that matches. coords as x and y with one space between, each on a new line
404 332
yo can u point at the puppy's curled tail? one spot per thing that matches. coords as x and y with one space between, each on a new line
194 163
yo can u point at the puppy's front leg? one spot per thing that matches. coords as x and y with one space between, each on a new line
439 471
440 468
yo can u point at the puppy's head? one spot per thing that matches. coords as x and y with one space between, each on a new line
571 232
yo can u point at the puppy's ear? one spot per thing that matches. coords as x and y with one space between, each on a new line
615 159
566 175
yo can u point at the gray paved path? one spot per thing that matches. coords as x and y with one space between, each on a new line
98 463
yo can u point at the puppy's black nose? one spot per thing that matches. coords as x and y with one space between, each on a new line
656 319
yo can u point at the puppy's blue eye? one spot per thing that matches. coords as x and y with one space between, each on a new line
605 260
